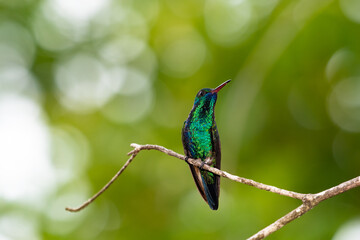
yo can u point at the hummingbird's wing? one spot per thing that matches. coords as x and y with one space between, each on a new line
195 171
210 181
216 146
217 157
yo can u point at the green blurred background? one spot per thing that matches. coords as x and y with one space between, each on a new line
81 80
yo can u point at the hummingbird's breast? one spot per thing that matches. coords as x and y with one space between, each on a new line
198 129
199 136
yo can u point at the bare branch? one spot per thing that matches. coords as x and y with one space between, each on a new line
198 163
297 212
343 187
309 200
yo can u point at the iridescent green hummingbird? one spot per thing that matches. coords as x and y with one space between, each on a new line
200 139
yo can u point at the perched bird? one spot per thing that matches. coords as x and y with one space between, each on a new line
200 139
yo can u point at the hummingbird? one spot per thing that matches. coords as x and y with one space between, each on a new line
201 140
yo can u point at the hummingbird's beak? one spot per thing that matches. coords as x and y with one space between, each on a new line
216 90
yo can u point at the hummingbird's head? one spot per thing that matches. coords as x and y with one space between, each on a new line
206 94
206 97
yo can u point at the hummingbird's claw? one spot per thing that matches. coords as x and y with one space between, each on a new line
202 165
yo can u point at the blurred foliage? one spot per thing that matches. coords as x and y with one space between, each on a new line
81 80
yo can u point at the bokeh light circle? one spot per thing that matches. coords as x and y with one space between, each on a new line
348 231
182 53
26 173
344 104
19 225
84 84
122 49
133 101
351 9
228 22
16 45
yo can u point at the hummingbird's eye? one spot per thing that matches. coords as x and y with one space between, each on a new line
201 93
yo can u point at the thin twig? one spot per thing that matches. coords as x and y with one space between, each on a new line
308 200
90 200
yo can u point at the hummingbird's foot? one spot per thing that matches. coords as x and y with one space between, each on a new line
202 165
186 160
207 161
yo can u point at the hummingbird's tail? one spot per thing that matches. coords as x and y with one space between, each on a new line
208 185
211 189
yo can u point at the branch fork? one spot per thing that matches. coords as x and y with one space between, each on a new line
309 201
